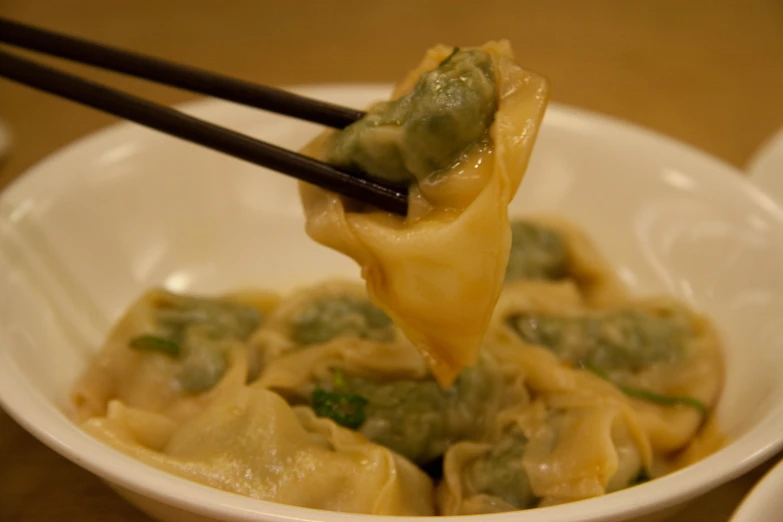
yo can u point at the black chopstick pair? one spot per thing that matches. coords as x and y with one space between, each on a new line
175 123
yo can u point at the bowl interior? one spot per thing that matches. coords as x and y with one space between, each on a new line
94 225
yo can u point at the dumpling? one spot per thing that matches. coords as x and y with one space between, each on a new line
548 249
663 356
168 352
315 315
563 435
386 392
458 131
558 450
249 441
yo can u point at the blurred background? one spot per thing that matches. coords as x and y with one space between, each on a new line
707 72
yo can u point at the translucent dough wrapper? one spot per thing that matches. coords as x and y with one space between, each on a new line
250 442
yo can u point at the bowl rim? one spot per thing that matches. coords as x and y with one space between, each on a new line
46 422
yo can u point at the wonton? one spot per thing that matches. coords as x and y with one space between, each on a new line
458 132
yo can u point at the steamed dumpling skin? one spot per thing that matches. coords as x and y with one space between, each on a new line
438 272
251 442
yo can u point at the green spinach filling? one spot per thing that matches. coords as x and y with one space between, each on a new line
629 340
500 473
416 418
537 253
192 330
428 129
626 341
327 318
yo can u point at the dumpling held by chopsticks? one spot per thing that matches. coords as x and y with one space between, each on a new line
458 132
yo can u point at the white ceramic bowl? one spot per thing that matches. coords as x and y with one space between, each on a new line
765 501
766 165
87 230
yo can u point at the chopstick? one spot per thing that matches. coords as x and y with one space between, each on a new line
198 131
173 122
176 75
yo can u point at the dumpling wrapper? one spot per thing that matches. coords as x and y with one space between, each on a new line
438 272
146 380
577 447
697 375
250 442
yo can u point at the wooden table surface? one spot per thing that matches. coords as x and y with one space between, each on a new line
709 73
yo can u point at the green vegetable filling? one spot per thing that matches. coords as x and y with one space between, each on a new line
217 319
649 396
428 129
500 472
330 317
641 478
416 418
624 340
153 343
346 409
537 253
629 340
193 331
